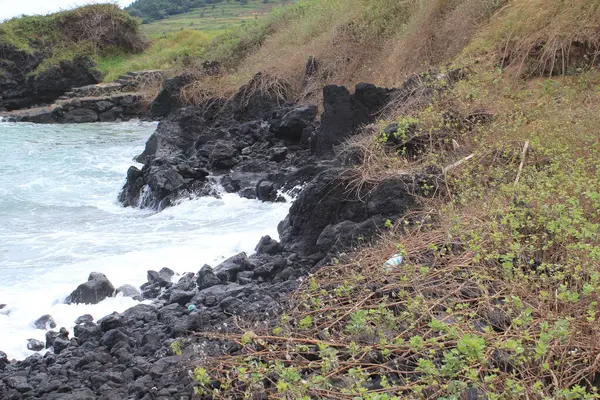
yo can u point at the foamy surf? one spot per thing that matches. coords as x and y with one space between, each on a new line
59 222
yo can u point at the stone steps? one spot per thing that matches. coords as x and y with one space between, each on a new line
124 83
104 102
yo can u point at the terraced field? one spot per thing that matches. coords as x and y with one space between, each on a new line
217 17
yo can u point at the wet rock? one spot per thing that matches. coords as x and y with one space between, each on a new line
45 322
248 193
127 291
3 360
186 282
96 289
86 331
50 338
164 181
4 309
60 344
35 345
266 191
130 197
85 318
220 136
80 115
161 278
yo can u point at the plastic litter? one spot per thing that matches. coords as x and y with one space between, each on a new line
191 307
394 261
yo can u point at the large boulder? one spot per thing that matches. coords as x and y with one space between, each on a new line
294 122
207 278
228 269
96 289
169 98
127 291
325 214
345 113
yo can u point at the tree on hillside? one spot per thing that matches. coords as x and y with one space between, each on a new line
151 10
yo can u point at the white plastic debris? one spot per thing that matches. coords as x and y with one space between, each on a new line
394 261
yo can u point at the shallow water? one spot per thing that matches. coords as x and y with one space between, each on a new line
59 221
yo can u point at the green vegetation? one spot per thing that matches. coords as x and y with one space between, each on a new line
212 18
176 49
181 40
498 292
94 31
150 10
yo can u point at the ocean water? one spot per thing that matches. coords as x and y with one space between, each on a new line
59 221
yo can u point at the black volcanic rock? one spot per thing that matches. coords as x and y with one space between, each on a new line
21 89
45 322
241 142
345 113
96 289
35 345
294 122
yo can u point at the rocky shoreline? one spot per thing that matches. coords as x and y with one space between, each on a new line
99 102
255 144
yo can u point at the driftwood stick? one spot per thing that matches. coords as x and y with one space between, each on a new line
523 155
459 162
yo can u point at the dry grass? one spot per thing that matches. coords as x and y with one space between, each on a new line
537 37
355 41
497 294
148 90
440 325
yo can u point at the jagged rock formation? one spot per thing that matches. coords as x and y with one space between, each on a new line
254 144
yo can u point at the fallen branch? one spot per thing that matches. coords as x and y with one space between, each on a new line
459 162
523 155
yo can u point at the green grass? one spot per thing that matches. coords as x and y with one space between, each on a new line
95 31
208 19
171 50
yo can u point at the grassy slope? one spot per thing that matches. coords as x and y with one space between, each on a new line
171 50
179 40
498 292
220 18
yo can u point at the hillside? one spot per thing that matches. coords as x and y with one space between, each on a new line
212 18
